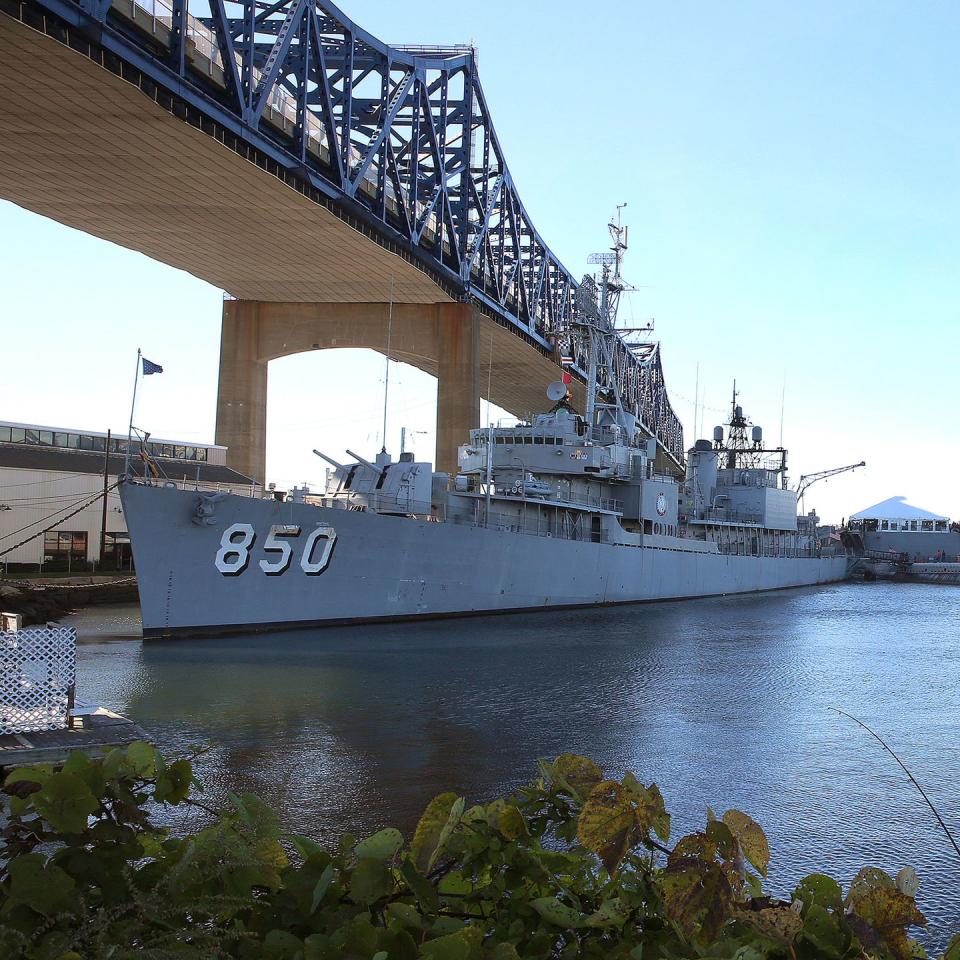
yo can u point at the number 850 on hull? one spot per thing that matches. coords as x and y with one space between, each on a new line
238 542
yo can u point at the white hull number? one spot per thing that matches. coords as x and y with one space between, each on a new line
238 539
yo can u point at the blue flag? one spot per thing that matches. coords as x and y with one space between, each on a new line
150 367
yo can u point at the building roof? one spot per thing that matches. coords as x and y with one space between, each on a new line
896 508
97 433
28 457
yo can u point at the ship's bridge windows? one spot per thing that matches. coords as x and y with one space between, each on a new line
884 524
913 524
538 440
926 525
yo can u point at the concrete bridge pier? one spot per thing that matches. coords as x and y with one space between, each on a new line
442 339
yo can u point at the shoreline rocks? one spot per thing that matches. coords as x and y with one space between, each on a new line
41 603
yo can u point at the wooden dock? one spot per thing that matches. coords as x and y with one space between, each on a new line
95 733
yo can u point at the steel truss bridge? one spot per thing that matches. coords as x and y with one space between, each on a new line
398 141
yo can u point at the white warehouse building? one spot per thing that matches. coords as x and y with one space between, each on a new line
46 473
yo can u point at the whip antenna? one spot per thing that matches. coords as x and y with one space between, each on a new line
903 767
386 378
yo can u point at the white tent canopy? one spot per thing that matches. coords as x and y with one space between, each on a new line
896 508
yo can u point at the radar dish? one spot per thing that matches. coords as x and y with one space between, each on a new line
556 391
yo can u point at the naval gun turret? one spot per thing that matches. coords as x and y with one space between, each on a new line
404 487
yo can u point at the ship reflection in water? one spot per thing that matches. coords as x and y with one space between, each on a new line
722 702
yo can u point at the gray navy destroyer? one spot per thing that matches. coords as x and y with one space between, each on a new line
566 509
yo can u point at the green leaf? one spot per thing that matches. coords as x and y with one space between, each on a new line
557 913
722 837
432 826
825 931
66 803
35 773
173 784
90 773
142 757
282 945
370 881
406 914
752 839
381 846
462 945
611 913
606 823
305 846
819 889
421 888
453 884
44 888
321 888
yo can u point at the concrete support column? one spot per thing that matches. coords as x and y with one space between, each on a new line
242 391
458 380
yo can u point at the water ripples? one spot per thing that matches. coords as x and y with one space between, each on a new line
723 702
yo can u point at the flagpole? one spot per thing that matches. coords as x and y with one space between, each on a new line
133 404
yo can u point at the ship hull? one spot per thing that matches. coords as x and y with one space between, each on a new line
377 567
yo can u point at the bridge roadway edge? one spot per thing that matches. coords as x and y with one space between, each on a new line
99 147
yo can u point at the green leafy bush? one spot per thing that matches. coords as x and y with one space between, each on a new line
572 865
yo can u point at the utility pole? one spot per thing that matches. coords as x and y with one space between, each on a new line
103 515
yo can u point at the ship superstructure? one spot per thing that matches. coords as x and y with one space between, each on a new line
568 508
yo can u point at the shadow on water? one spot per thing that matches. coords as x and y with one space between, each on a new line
723 702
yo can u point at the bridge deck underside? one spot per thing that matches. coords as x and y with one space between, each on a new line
92 151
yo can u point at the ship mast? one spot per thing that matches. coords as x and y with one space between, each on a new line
601 324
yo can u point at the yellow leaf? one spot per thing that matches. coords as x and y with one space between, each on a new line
697 898
753 841
888 911
651 810
694 845
776 923
580 774
426 838
511 823
607 822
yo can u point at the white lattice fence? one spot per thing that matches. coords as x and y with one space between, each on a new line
38 668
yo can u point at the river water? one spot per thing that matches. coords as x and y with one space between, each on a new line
723 702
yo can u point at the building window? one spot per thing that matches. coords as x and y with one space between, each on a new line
65 544
202 453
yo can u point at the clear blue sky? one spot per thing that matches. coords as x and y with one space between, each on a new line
791 174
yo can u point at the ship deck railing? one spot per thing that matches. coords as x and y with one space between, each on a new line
525 522
254 490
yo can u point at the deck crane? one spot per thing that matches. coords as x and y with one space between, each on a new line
809 479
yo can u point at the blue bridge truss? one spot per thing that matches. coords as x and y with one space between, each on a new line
396 140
